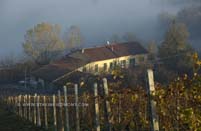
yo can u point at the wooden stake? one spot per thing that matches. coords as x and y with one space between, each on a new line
60 124
67 127
107 105
16 104
54 113
35 108
25 106
45 112
29 108
13 103
96 107
119 109
77 108
10 103
38 111
151 92
20 108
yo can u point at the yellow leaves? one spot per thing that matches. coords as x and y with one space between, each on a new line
179 101
186 114
160 96
163 112
114 98
195 56
197 62
134 97
185 77
182 98
128 115
43 42
199 97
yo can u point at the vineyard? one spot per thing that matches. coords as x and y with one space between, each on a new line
109 107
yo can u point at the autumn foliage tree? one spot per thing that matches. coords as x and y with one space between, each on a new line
73 38
129 36
152 49
175 52
42 43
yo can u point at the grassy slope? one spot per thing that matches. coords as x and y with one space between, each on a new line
10 122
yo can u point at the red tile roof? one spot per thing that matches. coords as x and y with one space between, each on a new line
111 51
54 70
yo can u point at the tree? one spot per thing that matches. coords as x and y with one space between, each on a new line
73 38
175 52
8 61
152 49
42 43
115 38
129 36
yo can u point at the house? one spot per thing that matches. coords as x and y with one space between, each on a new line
90 61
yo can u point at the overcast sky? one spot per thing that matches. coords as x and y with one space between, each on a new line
98 19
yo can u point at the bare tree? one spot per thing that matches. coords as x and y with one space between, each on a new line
129 36
115 38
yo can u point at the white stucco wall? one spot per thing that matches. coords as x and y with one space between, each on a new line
91 66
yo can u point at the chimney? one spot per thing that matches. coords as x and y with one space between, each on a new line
108 42
112 48
82 51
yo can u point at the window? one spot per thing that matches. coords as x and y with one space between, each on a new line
84 69
96 68
123 63
115 63
111 65
105 66
141 58
132 62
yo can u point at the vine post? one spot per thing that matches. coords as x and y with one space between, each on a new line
67 128
77 108
96 107
152 103
107 105
54 112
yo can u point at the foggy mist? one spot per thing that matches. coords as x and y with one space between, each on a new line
97 19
